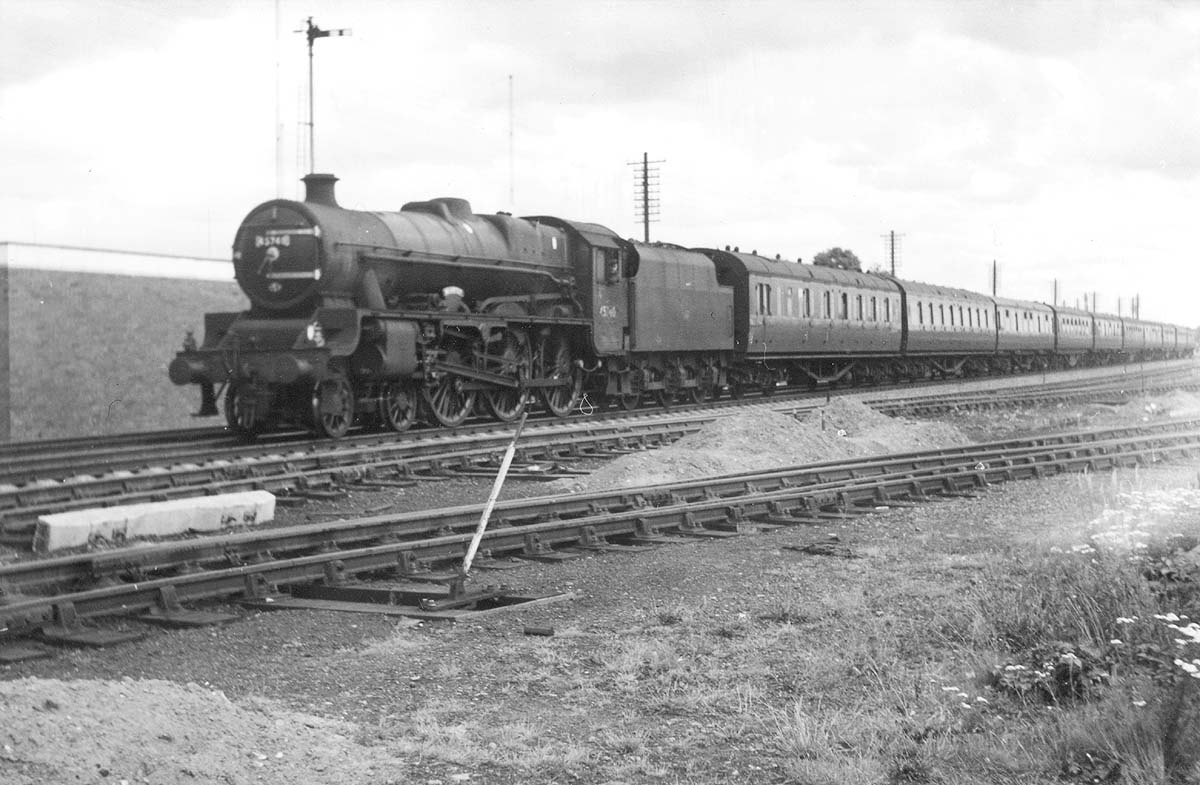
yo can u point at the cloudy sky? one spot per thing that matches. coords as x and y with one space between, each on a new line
1061 139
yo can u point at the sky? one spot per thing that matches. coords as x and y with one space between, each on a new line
1059 139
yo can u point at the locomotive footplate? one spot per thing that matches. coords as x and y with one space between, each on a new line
430 601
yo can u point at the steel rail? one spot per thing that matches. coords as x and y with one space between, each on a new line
261 467
285 472
702 508
124 563
1107 394
26 462
273 471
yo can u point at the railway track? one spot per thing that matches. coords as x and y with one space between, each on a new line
27 462
312 468
409 549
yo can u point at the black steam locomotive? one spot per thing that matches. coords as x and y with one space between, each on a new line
436 312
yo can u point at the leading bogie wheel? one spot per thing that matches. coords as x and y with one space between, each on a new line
241 412
333 406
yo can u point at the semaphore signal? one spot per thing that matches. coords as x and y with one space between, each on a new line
312 32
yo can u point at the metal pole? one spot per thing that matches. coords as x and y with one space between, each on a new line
278 122
491 502
312 152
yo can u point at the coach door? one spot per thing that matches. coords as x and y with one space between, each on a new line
610 299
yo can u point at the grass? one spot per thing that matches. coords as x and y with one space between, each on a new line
891 668
89 353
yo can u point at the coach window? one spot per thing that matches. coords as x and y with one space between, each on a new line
844 306
807 304
942 314
858 307
874 310
887 309
951 315
764 299
920 314
826 305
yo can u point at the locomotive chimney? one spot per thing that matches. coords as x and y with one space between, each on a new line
319 189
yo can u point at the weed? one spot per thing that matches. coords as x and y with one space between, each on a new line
1053 597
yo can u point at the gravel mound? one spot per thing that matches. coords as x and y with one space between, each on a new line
763 439
161 732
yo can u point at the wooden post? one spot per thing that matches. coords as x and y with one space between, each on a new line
491 502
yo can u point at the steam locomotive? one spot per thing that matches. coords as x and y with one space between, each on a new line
436 312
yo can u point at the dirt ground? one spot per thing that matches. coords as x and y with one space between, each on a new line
763 439
700 662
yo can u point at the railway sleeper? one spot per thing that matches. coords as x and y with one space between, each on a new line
429 601
66 629
536 549
170 612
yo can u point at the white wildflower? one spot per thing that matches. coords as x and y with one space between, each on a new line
1192 633
1192 667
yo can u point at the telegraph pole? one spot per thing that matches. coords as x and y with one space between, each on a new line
995 275
313 33
646 182
893 249
5 356
511 131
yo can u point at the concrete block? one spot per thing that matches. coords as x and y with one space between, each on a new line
114 525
